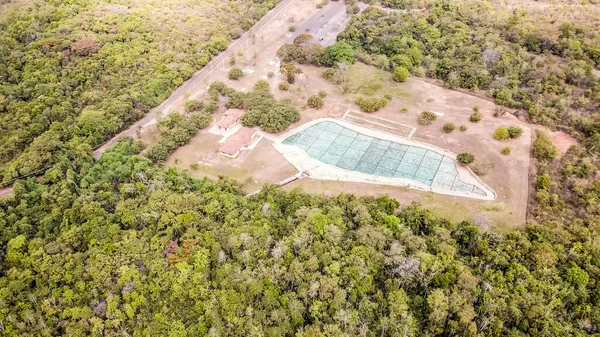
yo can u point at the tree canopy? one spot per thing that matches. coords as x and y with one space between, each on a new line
119 247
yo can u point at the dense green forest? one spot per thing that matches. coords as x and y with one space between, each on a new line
74 73
120 247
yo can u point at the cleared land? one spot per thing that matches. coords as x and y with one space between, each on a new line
507 175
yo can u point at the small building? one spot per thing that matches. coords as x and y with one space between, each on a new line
243 139
229 119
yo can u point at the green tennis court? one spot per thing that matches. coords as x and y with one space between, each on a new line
336 145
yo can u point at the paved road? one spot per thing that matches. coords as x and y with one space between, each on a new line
326 23
150 117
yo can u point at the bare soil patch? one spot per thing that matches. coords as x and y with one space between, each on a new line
562 141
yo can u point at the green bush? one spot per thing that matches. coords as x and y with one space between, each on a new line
505 151
448 127
315 102
404 110
427 117
371 104
514 131
465 158
543 182
501 133
211 106
322 93
284 86
401 61
262 85
193 105
463 128
476 117
176 131
476 108
235 73
340 52
270 74
542 147
400 74
388 97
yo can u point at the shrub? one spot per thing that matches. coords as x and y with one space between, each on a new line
501 133
292 28
235 73
270 74
514 131
482 169
542 147
448 127
543 182
340 52
505 151
463 128
193 105
400 74
284 86
315 102
388 97
322 93
401 61
329 73
404 110
476 117
465 158
371 104
476 108
262 85
211 106
427 117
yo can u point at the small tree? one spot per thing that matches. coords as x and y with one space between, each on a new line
514 131
476 117
235 73
371 104
448 127
400 74
315 102
465 158
427 117
290 71
193 105
505 151
501 133
542 147
284 86
262 85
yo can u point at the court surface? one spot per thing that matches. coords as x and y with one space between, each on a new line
336 145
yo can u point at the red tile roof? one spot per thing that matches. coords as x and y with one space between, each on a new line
230 117
227 121
243 137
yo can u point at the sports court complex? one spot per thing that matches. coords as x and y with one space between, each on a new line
353 148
